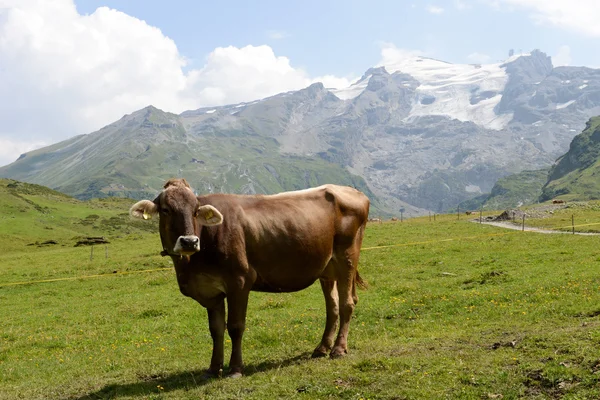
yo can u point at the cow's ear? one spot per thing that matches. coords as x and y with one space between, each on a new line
208 215
144 209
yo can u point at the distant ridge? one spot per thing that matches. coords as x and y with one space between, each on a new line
419 134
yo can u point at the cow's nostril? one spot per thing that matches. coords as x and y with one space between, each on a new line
189 241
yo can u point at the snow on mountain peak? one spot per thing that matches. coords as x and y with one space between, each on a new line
466 92
353 90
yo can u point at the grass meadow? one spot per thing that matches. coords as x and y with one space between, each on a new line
454 310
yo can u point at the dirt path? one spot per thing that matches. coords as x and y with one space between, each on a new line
538 212
510 225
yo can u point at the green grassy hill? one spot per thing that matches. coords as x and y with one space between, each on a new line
33 214
134 156
511 191
575 176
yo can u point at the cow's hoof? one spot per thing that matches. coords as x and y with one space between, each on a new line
318 354
321 351
338 353
207 375
235 375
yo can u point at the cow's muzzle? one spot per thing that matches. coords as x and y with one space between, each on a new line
187 245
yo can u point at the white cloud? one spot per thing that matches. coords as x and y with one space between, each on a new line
229 72
434 9
63 73
277 35
461 5
10 149
479 58
390 54
579 16
335 82
233 75
562 56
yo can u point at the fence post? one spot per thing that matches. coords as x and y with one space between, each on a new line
106 251
480 214
573 222
92 253
523 223
457 212
401 218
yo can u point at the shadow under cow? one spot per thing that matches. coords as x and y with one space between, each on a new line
180 380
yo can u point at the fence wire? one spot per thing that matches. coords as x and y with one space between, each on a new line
117 273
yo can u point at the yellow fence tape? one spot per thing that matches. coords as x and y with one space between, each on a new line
74 278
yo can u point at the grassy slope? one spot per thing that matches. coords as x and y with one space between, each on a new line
585 215
509 192
134 156
34 214
516 190
575 176
482 315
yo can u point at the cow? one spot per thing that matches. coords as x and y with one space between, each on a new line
558 201
223 246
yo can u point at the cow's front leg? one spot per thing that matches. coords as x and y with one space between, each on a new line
216 324
237 303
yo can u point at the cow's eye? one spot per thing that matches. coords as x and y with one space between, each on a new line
164 211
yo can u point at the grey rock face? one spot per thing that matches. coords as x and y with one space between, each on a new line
434 162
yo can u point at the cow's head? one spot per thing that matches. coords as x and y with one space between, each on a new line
180 217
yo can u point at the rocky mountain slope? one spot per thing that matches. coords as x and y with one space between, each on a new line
134 156
419 134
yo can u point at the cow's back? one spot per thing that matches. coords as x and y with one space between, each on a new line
288 238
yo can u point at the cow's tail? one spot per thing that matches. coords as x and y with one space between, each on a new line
360 282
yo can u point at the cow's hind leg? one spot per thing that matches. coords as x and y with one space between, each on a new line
331 304
347 274
346 308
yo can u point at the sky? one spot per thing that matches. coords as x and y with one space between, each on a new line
70 67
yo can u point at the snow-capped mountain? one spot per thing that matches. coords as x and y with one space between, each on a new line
465 92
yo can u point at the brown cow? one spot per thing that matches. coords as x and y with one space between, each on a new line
223 246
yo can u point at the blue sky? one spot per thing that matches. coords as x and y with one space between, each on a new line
70 67
343 37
